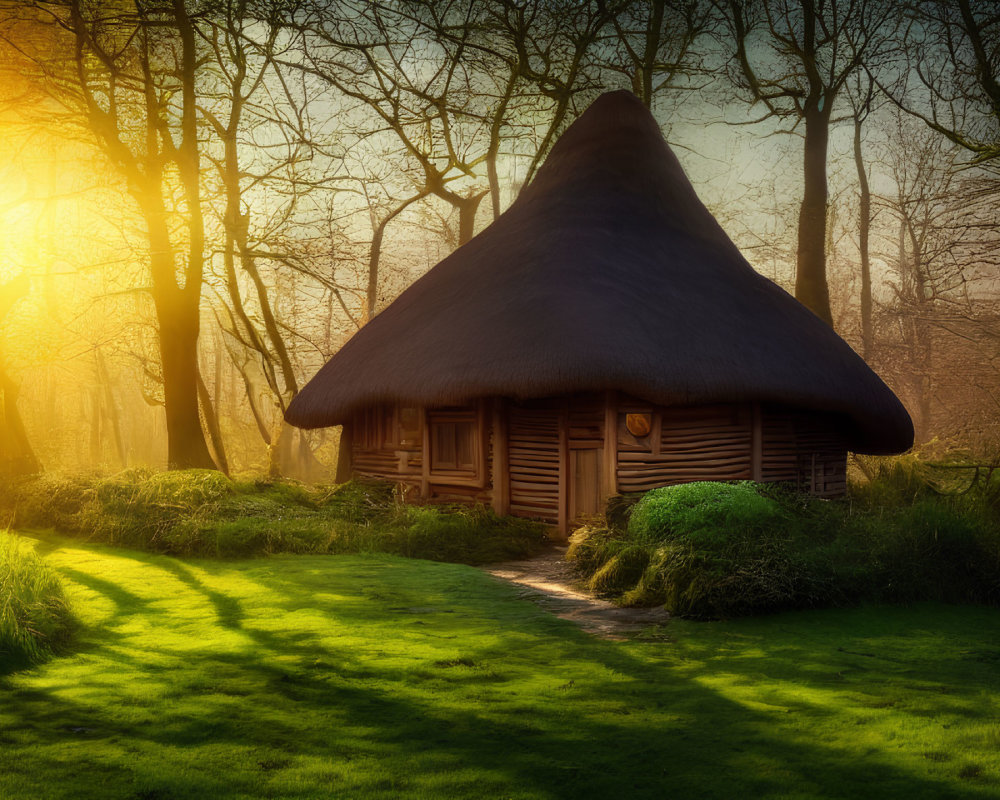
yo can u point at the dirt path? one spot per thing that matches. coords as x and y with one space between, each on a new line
548 581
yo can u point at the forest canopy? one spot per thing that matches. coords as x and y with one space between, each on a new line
202 200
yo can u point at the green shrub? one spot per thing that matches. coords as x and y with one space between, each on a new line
930 551
704 511
46 501
718 550
204 513
35 619
467 535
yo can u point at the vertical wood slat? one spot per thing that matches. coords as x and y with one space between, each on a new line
757 445
501 473
483 441
610 444
564 470
425 461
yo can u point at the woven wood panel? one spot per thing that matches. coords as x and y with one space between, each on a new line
533 456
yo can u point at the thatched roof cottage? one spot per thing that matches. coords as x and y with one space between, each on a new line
603 335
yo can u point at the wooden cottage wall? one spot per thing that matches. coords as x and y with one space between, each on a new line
377 452
731 442
558 468
803 448
534 457
701 443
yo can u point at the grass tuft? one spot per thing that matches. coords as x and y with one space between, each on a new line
35 619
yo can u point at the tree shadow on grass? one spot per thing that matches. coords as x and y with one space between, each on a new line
497 715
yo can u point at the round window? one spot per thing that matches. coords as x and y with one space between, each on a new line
638 425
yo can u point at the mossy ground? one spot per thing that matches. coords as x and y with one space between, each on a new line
302 676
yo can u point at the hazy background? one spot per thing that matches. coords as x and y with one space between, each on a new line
290 167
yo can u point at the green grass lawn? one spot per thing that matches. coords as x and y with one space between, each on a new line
377 676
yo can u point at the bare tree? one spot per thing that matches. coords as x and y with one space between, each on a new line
952 77
655 43
127 73
794 58
943 257
451 83
861 96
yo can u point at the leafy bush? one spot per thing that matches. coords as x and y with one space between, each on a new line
716 550
703 511
202 512
467 535
35 619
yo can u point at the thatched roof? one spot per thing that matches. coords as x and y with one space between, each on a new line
606 273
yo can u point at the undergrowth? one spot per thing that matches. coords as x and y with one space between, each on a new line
204 513
35 619
911 531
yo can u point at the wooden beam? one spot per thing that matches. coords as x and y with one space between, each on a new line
483 442
610 466
757 445
425 460
564 470
500 467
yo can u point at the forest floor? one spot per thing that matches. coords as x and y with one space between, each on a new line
377 676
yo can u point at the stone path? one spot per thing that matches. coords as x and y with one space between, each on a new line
548 581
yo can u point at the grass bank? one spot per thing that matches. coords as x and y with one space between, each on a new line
204 513
376 676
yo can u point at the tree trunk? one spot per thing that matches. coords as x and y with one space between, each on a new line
467 217
654 30
212 423
111 408
810 276
19 457
178 307
178 326
374 257
864 229
178 323
344 466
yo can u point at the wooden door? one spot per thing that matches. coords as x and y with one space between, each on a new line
584 483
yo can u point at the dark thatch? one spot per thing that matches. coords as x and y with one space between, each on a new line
606 273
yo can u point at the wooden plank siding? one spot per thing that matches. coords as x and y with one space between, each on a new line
378 453
543 458
534 460
805 449
687 444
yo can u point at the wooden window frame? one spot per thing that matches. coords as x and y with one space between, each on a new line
474 477
417 443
